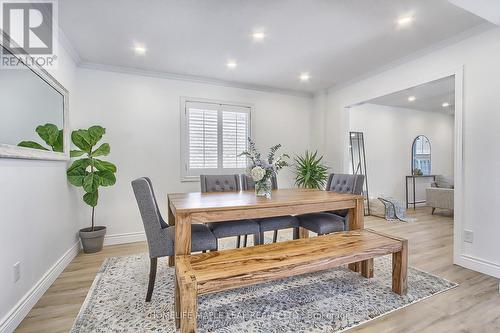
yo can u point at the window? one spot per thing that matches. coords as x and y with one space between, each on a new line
213 135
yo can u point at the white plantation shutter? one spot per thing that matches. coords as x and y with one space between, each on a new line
214 134
234 137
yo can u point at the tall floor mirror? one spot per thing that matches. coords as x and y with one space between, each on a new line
358 163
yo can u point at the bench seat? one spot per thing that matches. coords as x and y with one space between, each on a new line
222 270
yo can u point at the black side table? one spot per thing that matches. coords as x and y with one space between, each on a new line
414 202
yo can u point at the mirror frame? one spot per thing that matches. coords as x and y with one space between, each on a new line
11 151
430 155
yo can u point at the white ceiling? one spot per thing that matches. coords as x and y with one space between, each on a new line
488 9
336 41
428 97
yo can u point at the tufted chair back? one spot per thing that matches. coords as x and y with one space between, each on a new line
220 183
342 183
151 217
247 183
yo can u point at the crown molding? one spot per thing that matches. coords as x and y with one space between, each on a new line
192 78
477 30
68 46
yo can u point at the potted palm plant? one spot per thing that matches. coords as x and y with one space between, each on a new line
91 173
310 172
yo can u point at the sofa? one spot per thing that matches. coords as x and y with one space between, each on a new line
440 194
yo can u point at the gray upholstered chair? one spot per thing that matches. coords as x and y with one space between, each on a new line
271 223
333 221
159 234
229 183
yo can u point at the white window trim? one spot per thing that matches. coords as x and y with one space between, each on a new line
184 133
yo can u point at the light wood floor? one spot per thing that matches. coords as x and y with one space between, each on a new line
474 306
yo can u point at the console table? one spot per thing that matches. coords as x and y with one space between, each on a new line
413 177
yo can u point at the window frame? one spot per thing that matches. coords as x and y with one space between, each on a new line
186 175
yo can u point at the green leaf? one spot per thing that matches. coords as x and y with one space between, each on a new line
106 178
76 153
80 164
91 198
76 176
49 133
104 165
96 133
81 138
310 172
59 144
103 150
31 144
91 182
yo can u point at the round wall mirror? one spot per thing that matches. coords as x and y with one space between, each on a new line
421 156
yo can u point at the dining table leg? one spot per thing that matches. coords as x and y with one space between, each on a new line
356 222
170 222
182 235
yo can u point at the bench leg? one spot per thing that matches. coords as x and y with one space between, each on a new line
355 266
399 270
188 307
367 268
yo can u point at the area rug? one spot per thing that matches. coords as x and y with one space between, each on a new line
329 301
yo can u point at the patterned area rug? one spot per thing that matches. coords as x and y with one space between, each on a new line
329 301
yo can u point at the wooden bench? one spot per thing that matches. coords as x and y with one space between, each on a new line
222 270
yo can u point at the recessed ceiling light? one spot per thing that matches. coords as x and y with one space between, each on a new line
445 104
411 99
231 64
140 49
304 77
405 20
258 36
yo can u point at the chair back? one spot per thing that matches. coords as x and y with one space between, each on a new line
247 183
220 183
342 183
150 214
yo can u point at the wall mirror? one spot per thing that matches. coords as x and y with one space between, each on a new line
33 111
421 156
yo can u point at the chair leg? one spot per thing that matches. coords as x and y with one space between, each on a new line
238 241
152 278
275 236
245 240
258 239
433 209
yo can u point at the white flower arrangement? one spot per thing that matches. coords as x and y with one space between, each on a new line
257 173
261 171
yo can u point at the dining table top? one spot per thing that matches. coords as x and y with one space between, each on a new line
216 201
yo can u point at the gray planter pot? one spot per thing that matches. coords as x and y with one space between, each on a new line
92 241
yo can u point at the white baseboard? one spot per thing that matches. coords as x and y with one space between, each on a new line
479 265
130 237
9 323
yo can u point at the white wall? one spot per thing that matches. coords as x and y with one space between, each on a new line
38 216
389 133
481 99
142 118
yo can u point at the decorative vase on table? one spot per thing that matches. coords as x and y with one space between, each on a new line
264 188
262 171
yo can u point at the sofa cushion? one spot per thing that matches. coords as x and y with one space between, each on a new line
444 182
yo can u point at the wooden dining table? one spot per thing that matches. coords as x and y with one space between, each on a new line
187 208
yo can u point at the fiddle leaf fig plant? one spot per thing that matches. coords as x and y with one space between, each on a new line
50 134
88 171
